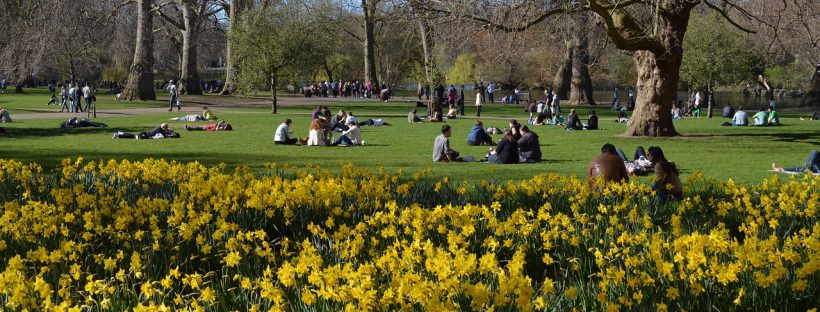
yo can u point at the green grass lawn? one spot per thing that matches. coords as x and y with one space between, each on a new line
742 153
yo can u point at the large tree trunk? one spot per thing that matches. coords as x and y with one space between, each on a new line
189 76
230 67
812 97
369 43
141 76
657 85
561 84
427 48
581 86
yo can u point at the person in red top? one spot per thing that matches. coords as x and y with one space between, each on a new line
220 126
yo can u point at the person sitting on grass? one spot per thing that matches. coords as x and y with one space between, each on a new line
506 152
283 133
219 126
161 132
622 117
740 118
441 147
73 122
351 136
316 135
557 119
774 119
478 136
4 115
667 178
515 129
607 166
816 116
761 118
339 120
573 122
812 165
592 121
207 114
528 146
412 117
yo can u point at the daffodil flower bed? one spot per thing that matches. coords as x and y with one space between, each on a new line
159 235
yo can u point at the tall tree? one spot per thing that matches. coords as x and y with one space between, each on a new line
653 31
715 55
370 8
271 43
235 9
141 76
189 21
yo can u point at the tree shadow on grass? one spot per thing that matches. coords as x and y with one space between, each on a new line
52 159
25 133
810 137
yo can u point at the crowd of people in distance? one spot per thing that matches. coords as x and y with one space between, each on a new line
346 89
71 94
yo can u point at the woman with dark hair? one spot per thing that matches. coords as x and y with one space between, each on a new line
667 178
515 128
507 150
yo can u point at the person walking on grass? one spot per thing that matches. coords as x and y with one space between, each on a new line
173 96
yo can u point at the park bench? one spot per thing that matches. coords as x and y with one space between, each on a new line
523 97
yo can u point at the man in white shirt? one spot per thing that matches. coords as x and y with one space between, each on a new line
283 132
174 97
740 118
351 136
87 93
74 105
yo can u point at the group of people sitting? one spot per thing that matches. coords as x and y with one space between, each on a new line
767 116
611 166
323 126
518 144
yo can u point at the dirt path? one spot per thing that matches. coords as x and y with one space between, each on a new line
194 104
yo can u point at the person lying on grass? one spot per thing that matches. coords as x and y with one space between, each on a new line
220 126
161 132
812 165
73 122
204 116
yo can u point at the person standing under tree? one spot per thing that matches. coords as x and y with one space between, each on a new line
420 90
173 96
427 91
616 102
461 101
478 102
491 92
630 104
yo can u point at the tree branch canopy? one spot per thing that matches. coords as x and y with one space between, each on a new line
727 18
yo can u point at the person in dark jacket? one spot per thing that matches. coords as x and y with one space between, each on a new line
592 122
161 132
573 122
507 150
607 166
728 111
528 146
667 178
478 136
